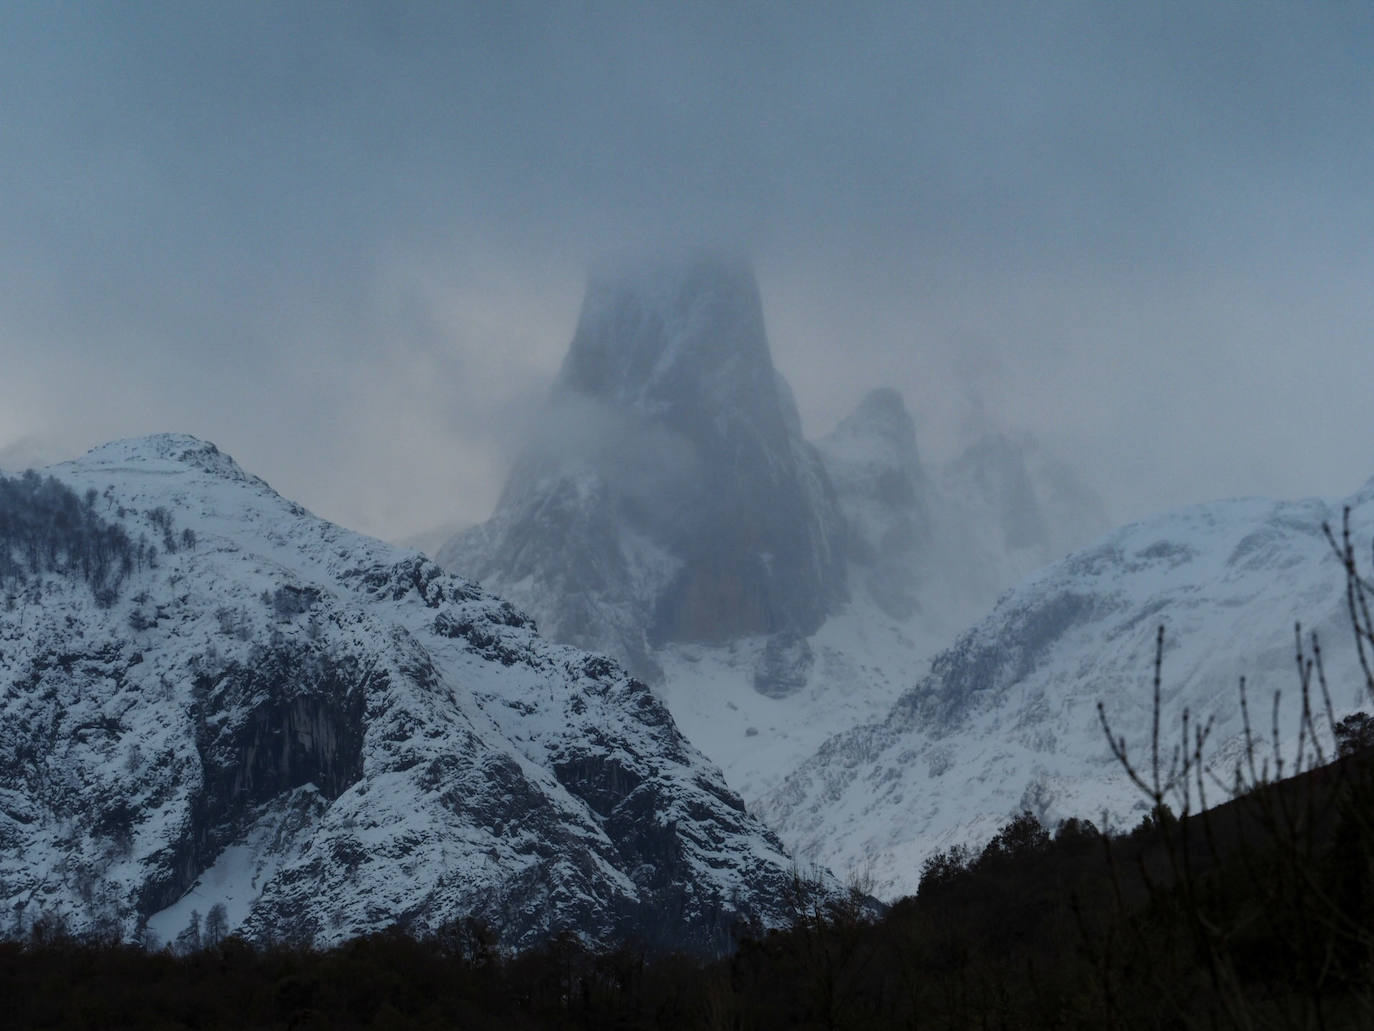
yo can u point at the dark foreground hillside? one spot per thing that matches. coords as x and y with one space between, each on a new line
1255 914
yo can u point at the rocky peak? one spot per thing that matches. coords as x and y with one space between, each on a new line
659 335
680 344
994 468
673 459
1039 505
885 497
880 420
872 452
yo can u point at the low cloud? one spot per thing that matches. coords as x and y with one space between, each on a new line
348 245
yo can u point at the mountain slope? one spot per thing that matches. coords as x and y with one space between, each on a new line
927 553
1006 718
325 734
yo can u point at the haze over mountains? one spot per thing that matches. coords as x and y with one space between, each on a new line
791 541
214 699
669 512
826 710
252 709
670 496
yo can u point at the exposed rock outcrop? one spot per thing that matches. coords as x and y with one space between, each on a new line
670 495
330 736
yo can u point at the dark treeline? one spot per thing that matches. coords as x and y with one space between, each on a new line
1255 914
46 527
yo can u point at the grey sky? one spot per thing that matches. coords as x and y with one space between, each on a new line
348 244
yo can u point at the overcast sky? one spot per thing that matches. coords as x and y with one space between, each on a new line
348 244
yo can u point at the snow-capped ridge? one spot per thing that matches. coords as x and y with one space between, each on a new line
331 735
1006 718
179 448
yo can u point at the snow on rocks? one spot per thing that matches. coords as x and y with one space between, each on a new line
1006 718
329 735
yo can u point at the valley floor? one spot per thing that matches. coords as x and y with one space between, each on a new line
862 661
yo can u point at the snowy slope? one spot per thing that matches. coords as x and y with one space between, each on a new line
856 665
329 735
1006 718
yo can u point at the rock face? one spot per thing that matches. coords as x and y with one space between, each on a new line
886 498
671 497
1006 719
325 734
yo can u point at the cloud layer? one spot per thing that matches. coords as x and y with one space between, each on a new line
348 245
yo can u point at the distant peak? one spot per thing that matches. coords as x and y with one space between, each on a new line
662 331
881 415
884 404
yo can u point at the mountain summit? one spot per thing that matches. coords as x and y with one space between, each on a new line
670 496
675 341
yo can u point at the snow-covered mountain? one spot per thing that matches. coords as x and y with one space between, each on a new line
1006 719
209 696
670 512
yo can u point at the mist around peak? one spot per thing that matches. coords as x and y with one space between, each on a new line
665 494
